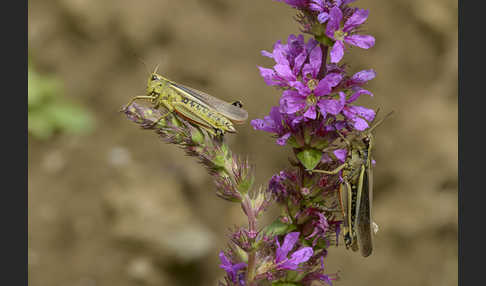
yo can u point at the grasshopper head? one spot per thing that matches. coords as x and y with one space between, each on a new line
368 140
155 83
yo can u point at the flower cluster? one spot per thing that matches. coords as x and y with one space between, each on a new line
312 91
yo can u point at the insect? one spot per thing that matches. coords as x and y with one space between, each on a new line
356 190
214 115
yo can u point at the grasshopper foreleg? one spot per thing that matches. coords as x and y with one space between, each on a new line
138 97
333 172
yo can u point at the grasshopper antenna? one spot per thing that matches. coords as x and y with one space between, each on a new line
141 60
380 121
144 65
156 68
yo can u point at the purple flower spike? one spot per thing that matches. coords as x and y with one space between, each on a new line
299 256
346 33
230 268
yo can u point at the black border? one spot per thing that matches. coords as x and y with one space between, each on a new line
14 212
472 159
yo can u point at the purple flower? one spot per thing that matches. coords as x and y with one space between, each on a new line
323 7
296 3
310 97
289 59
356 116
346 33
359 116
230 268
317 222
308 94
276 185
274 123
299 256
341 154
320 225
282 185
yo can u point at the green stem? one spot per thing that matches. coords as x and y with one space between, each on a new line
252 254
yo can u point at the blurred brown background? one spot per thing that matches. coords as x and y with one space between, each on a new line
115 206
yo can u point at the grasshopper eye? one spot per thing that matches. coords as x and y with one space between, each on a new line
154 77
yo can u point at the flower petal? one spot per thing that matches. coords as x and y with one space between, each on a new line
360 124
303 89
327 83
362 41
363 76
268 76
270 123
301 255
279 55
315 60
289 242
358 18
357 94
360 116
291 102
285 72
323 17
316 5
341 154
366 113
311 112
332 106
335 17
267 54
337 52
224 259
295 3
298 62
283 139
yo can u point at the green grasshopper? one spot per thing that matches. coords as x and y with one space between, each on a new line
214 115
356 190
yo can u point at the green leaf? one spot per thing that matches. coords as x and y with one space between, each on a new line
69 117
292 142
309 158
278 228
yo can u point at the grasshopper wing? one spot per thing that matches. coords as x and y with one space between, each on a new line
364 227
226 109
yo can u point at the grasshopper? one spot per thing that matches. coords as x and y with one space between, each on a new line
356 190
214 115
